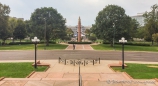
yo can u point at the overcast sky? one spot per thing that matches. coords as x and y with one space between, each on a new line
72 9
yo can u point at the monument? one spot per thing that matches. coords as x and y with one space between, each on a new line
79 30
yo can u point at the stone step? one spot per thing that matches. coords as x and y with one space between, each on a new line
68 82
85 76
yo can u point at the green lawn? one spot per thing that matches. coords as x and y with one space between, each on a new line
126 47
18 70
32 46
140 71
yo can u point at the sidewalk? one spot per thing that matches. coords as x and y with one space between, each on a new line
67 75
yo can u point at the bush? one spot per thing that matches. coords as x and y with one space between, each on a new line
132 44
79 42
17 43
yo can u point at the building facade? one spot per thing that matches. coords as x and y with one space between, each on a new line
75 28
139 17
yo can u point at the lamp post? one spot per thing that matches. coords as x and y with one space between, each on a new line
35 40
45 34
114 35
123 41
77 36
114 26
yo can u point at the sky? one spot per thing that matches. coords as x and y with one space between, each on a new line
72 9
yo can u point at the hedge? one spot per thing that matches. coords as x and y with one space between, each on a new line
132 44
79 42
17 43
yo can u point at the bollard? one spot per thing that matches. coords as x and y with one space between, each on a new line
65 61
99 60
93 62
74 62
84 62
59 59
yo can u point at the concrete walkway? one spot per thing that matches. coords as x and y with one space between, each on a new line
79 47
60 74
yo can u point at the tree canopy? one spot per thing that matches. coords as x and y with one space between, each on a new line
47 23
112 23
20 30
151 22
4 16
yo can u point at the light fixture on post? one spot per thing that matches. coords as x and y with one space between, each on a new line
35 40
123 41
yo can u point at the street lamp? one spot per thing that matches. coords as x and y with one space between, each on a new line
45 34
114 35
114 26
123 41
35 40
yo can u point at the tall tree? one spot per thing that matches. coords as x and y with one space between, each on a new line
20 30
12 26
69 32
111 24
4 16
48 23
155 37
151 22
87 32
29 30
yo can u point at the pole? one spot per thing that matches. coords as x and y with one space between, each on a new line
35 56
79 73
122 55
45 35
114 37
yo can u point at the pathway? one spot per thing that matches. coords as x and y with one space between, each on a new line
79 47
67 75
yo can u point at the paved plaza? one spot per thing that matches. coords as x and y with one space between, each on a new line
60 74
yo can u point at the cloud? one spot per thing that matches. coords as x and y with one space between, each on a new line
72 9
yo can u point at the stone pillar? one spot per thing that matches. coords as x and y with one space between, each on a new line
79 30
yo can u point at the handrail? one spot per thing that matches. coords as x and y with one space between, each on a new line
80 80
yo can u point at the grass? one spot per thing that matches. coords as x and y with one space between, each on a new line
18 70
31 47
140 71
126 47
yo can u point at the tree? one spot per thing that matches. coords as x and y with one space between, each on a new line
134 26
151 21
141 32
112 23
87 32
4 30
20 30
155 37
12 25
48 24
29 30
69 32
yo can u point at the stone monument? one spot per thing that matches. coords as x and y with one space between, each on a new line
79 30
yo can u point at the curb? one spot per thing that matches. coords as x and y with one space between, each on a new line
126 74
30 74
120 65
40 64
1 78
156 79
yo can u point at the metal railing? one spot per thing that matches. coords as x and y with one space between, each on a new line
82 61
80 80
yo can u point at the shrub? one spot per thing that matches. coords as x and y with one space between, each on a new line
79 42
129 43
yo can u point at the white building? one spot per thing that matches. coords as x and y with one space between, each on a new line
139 17
83 28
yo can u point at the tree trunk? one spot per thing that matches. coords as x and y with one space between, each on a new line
3 43
47 42
13 40
111 44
